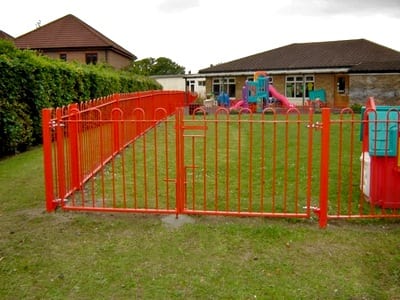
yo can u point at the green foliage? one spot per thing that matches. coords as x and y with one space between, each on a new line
30 82
356 107
15 127
160 66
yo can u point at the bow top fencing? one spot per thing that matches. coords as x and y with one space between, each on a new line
145 152
78 140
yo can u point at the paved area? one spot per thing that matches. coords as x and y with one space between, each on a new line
171 221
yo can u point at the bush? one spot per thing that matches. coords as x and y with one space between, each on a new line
356 107
30 82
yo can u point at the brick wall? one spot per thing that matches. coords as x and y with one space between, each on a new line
326 82
385 88
112 58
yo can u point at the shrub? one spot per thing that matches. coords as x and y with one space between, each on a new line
30 82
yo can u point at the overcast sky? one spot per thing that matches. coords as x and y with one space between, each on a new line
197 33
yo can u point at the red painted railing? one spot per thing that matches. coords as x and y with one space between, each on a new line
80 139
144 153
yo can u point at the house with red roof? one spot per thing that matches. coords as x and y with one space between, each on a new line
5 36
71 39
348 71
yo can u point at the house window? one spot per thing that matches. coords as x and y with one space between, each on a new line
201 83
63 56
91 58
227 85
299 86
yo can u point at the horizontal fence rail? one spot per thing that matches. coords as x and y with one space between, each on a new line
148 152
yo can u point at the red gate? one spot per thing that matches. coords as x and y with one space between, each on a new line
245 164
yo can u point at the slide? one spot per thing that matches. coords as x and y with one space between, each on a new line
280 97
238 105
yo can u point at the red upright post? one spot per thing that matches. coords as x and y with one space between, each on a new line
47 159
60 154
324 171
73 134
180 164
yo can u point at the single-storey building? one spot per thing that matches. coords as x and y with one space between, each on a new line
181 82
71 39
347 71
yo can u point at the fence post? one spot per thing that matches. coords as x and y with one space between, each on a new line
60 155
324 170
47 159
73 134
180 163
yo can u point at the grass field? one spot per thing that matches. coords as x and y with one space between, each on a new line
126 256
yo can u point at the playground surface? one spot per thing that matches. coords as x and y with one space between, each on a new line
70 255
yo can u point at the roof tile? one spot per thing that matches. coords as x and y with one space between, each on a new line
67 32
334 54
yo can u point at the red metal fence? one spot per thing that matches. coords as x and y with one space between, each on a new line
79 140
144 153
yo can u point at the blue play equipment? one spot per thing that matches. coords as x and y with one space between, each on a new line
318 95
223 99
256 92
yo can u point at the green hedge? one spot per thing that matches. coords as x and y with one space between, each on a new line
30 82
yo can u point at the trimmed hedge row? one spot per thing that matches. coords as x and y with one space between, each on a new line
30 82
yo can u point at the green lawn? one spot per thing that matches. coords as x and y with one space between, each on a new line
126 256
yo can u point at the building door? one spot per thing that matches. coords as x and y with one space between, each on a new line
341 93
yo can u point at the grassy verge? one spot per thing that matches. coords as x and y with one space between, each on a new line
104 256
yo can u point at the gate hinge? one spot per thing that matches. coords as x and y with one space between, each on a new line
53 124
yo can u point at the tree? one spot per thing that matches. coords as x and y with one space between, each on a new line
160 66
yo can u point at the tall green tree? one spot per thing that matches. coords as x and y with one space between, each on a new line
160 66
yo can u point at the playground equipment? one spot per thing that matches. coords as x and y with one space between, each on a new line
257 93
223 99
380 160
317 98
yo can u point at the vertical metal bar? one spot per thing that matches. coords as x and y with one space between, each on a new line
310 160
204 168
250 207
47 160
74 144
216 160
340 170
324 170
180 168
228 163
297 170
274 163
116 117
60 154
286 163
262 185
239 164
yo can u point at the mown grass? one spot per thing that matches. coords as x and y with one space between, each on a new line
126 256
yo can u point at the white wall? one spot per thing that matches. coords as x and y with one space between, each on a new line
177 82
